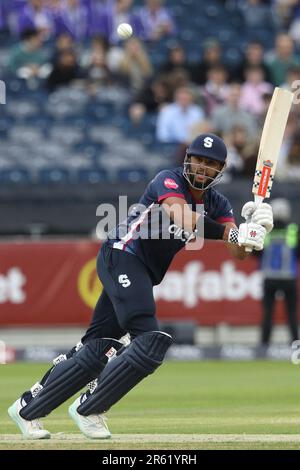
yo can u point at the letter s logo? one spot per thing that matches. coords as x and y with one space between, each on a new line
208 141
124 281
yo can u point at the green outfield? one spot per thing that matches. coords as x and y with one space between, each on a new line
184 405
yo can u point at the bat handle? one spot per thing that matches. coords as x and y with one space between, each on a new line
258 200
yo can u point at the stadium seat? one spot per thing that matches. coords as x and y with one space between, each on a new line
132 175
25 135
93 176
66 135
54 175
15 176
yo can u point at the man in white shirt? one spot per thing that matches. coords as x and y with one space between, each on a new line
175 120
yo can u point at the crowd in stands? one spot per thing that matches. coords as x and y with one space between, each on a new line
221 81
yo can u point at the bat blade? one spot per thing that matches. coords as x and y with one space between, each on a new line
270 142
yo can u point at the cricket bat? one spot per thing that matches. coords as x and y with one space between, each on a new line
270 143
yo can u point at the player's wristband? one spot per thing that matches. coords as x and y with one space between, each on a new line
212 229
233 236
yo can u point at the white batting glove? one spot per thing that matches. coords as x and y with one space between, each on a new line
248 210
261 214
252 235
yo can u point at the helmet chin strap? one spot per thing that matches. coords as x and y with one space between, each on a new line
191 176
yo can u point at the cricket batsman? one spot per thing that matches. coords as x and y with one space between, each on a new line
128 267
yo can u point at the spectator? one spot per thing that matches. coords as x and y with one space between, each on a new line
293 83
65 71
108 18
289 147
99 46
254 56
73 19
242 151
156 21
290 170
175 120
254 89
27 57
176 60
285 12
281 59
135 66
258 15
35 15
96 62
63 42
212 55
226 116
294 29
215 90
204 126
151 99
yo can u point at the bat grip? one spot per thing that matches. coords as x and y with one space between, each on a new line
258 200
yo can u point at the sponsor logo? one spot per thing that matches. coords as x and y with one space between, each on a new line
194 284
268 163
111 353
35 389
88 284
253 234
11 286
58 359
170 184
183 235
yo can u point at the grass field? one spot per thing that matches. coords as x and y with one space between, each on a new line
184 405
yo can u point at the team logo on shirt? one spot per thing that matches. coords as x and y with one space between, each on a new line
170 183
124 281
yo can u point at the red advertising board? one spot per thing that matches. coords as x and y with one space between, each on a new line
55 283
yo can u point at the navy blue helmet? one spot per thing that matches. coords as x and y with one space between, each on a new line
211 147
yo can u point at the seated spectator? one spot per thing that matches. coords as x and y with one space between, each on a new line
212 55
64 42
36 15
215 90
293 83
27 57
292 133
242 151
106 21
254 56
176 60
73 19
65 71
254 89
175 120
285 12
291 170
204 126
230 114
156 21
281 59
294 29
95 61
150 99
258 15
99 46
135 66
292 78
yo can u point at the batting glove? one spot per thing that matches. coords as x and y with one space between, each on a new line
261 214
252 235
